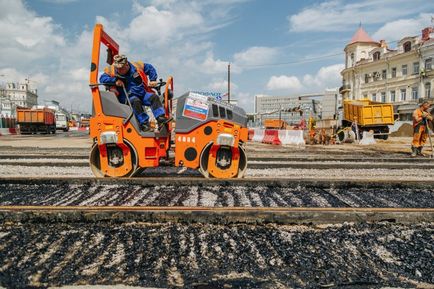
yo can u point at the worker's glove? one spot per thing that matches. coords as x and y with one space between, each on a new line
153 83
426 115
119 82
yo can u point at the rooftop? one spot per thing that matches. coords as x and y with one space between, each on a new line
361 36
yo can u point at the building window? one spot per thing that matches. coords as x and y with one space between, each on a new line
366 78
383 97
352 59
393 72
392 96
376 75
404 69
407 46
403 94
428 64
414 92
428 89
416 68
374 97
377 55
384 74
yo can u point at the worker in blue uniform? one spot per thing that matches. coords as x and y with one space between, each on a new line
138 79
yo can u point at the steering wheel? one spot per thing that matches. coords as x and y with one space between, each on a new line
159 85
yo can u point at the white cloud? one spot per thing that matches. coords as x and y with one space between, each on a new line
340 15
167 25
212 66
395 30
326 77
222 86
60 1
26 37
33 47
244 99
256 56
6 74
283 82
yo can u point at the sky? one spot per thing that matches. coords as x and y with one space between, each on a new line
275 47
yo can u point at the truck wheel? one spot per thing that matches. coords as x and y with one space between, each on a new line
341 135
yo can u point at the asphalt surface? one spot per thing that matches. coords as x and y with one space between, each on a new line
198 192
211 256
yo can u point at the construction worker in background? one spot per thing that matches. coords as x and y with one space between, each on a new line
138 79
421 117
311 127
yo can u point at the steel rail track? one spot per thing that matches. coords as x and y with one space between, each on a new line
44 156
306 158
213 215
305 164
201 181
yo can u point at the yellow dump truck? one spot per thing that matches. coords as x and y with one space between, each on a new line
275 124
365 115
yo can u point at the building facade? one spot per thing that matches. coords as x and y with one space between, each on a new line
402 76
15 95
331 104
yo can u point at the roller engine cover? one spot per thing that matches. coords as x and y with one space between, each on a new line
211 109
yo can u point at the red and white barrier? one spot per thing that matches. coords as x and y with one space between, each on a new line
251 134
258 135
277 137
8 131
272 137
74 128
293 137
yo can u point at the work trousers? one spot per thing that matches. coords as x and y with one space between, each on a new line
149 99
419 136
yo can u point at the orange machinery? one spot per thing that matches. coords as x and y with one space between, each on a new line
209 135
34 120
275 124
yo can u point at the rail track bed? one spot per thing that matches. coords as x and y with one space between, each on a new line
178 255
189 192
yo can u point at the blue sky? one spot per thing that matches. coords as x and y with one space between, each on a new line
275 47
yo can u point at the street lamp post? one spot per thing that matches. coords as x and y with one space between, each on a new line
229 83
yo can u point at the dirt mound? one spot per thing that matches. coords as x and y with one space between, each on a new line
405 129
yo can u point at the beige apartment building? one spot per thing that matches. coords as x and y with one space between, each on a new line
15 95
402 76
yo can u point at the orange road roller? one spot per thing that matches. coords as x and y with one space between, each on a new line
205 134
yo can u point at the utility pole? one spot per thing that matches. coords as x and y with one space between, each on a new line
229 83
280 113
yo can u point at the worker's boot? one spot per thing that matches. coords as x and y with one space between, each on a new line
162 121
419 151
413 151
